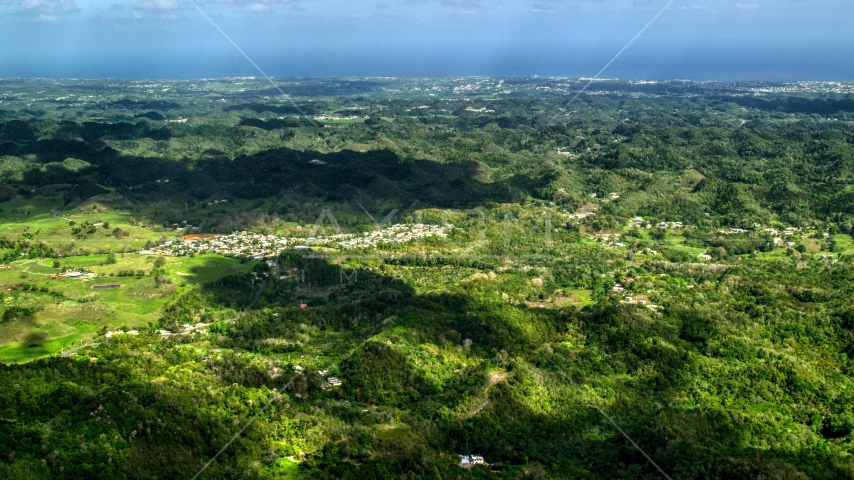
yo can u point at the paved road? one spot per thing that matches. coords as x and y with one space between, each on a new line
69 352
257 296
262 287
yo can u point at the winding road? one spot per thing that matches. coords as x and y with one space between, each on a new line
262 287
69 352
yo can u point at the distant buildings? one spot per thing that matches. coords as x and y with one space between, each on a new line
638 300
77 275
258 246
120 332
471 460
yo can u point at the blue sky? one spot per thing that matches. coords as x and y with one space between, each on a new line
698 39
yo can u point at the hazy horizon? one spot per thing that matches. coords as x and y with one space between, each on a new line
758 40
409 77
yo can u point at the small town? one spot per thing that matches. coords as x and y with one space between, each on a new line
258 246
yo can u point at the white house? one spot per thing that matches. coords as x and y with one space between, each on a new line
471 460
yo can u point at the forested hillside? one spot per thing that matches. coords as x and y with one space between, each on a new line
375 277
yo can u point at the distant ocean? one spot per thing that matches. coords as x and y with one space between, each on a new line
734 64
200 52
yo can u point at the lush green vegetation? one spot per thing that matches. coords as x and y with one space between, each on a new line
674 257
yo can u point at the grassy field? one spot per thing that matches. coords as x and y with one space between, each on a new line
843 241
69 310
777 254
578 298
54 226
846 243
692 250
286 469
62 311
35 347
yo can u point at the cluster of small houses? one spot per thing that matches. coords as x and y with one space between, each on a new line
777 233
733 231
582 215
780 237
330 381
778 240
121 332
637 300
258 246
639 222
635 222
399 233
187 329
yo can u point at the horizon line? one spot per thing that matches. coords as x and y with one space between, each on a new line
416 77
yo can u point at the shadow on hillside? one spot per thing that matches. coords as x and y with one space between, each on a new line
384 373
519 424
360 298
346 175
156 427
532 416
338 176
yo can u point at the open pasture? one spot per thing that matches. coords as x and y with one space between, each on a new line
63 310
